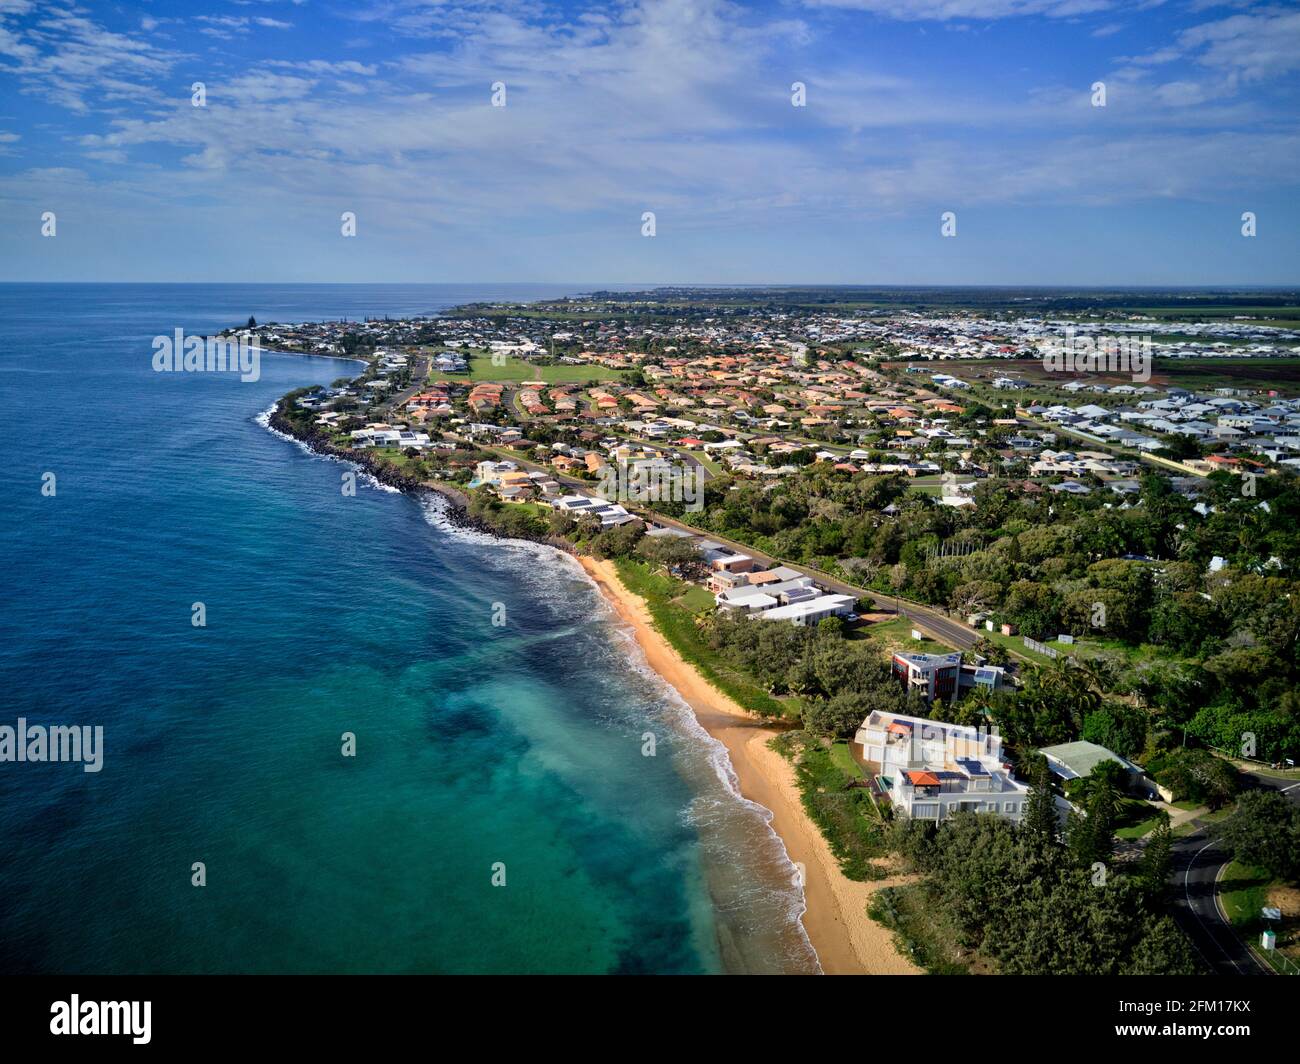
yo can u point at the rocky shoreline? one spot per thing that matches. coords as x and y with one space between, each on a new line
458 510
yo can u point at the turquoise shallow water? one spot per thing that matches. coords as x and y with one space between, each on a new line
476 745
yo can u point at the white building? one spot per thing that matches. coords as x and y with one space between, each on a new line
609 513
931 770
810 611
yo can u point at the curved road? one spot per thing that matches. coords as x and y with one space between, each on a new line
1198 864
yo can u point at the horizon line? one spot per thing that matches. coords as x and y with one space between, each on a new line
638 285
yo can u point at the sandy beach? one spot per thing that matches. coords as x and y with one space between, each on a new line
847 941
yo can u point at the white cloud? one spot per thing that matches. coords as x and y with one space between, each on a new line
681 107
977 10
1255 46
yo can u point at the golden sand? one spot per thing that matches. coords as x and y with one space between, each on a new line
846 939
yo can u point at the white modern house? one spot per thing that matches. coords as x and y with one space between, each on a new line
811 610
390 438
609 513
796 598
931 770
754 598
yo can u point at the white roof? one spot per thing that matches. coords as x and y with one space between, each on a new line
820 604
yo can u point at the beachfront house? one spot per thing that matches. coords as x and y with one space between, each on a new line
810 611
754 598
608 513
931 770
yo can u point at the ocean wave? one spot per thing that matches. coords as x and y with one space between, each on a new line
264 419
553 586
702 810
518 557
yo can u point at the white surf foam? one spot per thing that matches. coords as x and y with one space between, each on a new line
264 419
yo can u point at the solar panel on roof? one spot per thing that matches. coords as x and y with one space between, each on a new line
972 767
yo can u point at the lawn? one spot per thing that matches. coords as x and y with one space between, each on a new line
1243 891
1136 819
898 634
845 815
696 599
482 368
1016 644
677 624
707 462
843 759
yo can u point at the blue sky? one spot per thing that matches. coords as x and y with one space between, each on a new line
680 107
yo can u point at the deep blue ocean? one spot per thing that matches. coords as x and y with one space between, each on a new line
476 746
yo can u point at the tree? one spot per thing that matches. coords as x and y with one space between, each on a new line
1179 446
1162 949
618 541
1041 825
996 653
1157 859
838 717
1264 832
1117 726
1216 780
1091 837
668 551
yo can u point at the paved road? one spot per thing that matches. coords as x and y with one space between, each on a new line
946 629
420 377
1198 863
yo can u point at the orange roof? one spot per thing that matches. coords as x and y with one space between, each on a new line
923 779
899 728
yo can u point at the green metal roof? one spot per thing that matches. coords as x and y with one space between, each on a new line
1082 757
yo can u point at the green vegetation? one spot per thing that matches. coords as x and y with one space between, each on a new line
1264 831
482 368
844 814
512 520
1213 656
696 599
678 626
1195 777
1243 891
1025 901
703 458
897 635
843 759
923 928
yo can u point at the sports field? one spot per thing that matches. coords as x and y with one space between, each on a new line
482 368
